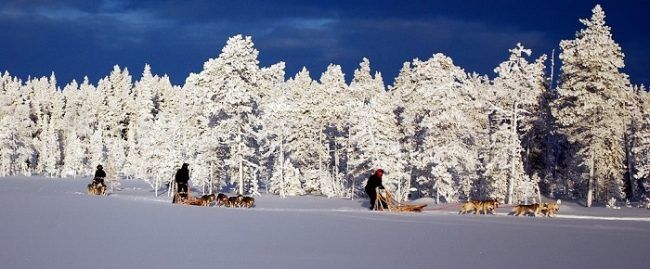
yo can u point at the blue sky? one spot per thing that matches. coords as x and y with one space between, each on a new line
74 38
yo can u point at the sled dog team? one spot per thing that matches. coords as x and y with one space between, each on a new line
235 201
488 207
221 200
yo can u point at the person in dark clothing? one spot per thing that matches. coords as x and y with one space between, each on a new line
182 177
374 182
100 175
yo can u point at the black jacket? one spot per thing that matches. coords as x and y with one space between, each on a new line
373 182
182 176
100 173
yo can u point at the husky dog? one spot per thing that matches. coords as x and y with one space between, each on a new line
248 202
180 197
534 209
487 206
467 207
222 199
480 207
551 208
95 188
206 200
235 201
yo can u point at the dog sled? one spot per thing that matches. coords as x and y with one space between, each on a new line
385 197
187 199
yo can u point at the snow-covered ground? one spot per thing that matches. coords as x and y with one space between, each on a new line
51 223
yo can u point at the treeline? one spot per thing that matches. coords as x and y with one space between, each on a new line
437 132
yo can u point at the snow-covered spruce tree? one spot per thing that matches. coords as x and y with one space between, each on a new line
504 171
230 86
39 102
518 92
116 113
331 109
141 125
160 159
89 102
73 155
285 180
96 150
116 155
304 141
15 134
116 90
640 147
439 126
170 142
47 114
280 122
50 151
373 134
591 107
73 151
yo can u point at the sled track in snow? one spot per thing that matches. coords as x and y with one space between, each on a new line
586 217
368 213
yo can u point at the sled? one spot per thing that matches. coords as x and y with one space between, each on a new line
187 199
392 205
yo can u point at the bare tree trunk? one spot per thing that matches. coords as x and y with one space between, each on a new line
241 165
282 190
511 181
630 171
171 188
590 191
350 176
210 175
435 188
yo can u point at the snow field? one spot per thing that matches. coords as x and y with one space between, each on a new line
52 224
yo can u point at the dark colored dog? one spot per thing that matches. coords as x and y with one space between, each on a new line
235 201
222 200
206 200
248 202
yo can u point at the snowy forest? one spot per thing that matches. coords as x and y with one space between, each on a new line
438 131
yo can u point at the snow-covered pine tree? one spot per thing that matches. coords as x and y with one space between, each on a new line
116 113
279 124
332 91
15 137
305 139
518 92
141 125
73 152
439 126
89 101
285 180
591 107
640 147
504 170
15 134
47 113
96 150
373 134
230 86
50 151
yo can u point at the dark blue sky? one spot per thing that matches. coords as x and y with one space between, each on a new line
74 38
